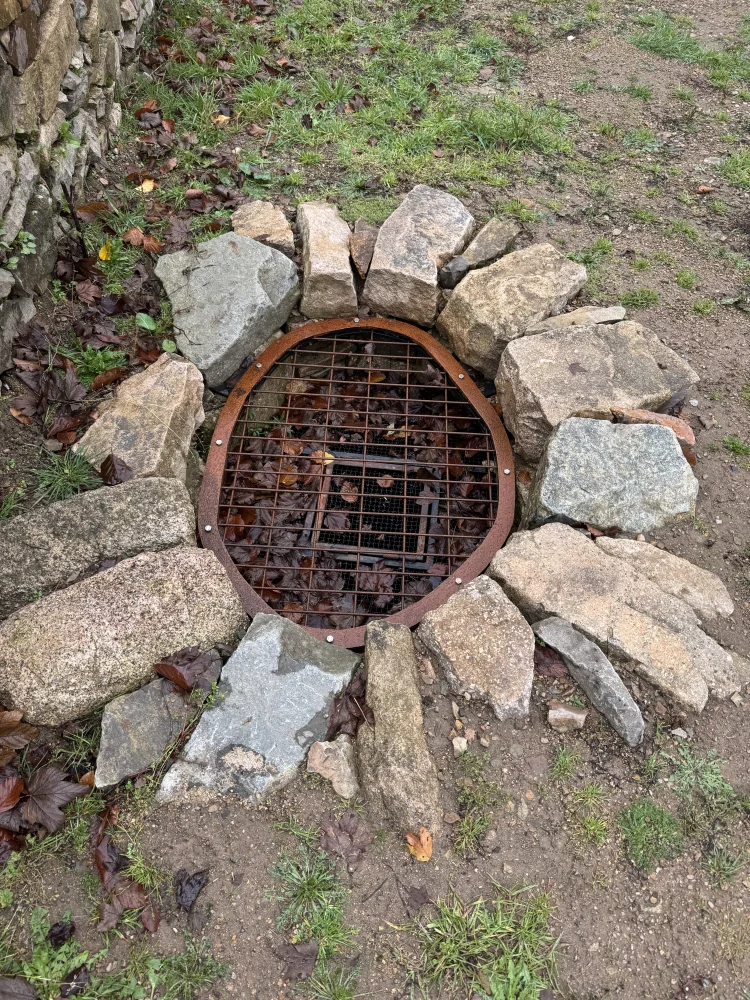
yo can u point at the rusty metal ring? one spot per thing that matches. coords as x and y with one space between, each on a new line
210 497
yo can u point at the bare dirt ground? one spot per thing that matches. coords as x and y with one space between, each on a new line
622 934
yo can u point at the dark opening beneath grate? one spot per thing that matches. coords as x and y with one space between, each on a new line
357 478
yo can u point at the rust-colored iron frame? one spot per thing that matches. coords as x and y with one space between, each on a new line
474 564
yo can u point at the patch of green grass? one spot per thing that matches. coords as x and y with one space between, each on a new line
736 169
46 967
584 87
331 984
79 747
64 476
640 264
373 210
608 129
590 796
11 501
704 307
592 829
307 833
91 361
564 764
643 139
641 298
502 949
745 393
678 227
664 36
651 834
514 208
686 279
683 94
639 91
593 255
736 445
722 866
121 257
651 768
475 799
645 215
705 793
312 896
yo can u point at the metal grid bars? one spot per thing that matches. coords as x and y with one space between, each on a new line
357 478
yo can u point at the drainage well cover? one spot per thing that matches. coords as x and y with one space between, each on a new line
356 473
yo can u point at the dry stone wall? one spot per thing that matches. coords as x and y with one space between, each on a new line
61 62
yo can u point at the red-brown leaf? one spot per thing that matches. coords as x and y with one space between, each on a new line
10 792
107 378
48 790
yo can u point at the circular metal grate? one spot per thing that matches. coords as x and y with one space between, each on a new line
355 473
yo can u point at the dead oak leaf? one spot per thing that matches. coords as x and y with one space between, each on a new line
347 836
48 790
349 492
420 845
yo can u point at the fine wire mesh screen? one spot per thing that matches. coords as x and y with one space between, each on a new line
358 477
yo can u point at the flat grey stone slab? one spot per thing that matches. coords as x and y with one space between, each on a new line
228 296
596 676
272 705
630 476
136 730
48 547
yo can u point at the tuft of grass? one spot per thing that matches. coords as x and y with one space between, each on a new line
736 169
722 866
678 227
651 768
307 833
593 829
643 139
564 764
706 796
590 796
686 280
736 444
641 264
593 255
639 91
645 215
11 501
659 33
515 208
704 307
651 834
373 210
502 948
65 476
312 896
475 800
332 984
641 298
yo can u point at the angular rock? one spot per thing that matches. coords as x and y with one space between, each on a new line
48 547
78 648
456 269
150 421
557 570
328 283
596 677
426 230
583 371
266 223
397 772
630 476
8 166
136 730
228 296
494 305
484 646
585 316
273 702
35 92
682 429
493 240
23 43
13 314
33 271
565 718
26 179
702 590
362 245
7 281
335 761
9 11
